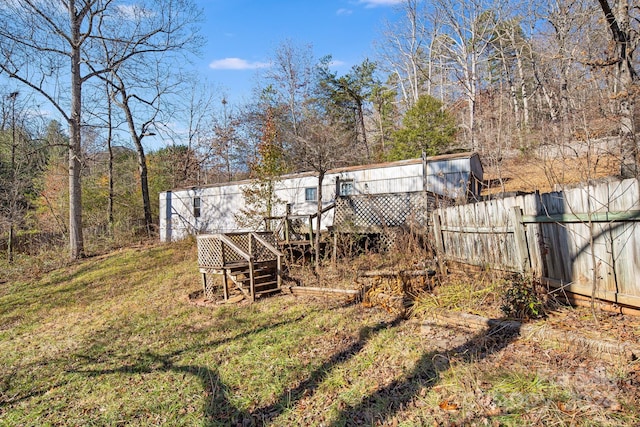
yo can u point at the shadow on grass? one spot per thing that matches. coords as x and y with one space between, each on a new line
389 400
386 402
217 411
7 400
378 407
218 408
308 387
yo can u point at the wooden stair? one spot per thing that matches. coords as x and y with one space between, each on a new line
265 278
250 261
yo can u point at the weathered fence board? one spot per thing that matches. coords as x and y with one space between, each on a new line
574 238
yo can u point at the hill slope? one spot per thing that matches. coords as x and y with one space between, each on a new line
112 340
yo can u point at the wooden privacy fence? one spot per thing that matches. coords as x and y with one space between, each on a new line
573 239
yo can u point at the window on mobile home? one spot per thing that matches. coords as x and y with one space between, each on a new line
196 207
311 194
346 187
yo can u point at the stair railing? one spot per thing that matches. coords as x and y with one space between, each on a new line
279 255
227 242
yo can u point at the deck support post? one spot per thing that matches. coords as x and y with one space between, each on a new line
225 284
279 272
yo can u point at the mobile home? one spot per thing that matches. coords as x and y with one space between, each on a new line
215 208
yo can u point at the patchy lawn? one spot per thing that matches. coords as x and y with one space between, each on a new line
113 340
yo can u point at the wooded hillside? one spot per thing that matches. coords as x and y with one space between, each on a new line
549 85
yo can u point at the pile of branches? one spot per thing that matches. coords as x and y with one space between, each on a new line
394 290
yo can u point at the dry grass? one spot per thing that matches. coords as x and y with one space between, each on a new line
530 174
112 340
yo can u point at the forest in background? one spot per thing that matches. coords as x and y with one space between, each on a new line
503 78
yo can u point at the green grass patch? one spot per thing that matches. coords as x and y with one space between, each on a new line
457 295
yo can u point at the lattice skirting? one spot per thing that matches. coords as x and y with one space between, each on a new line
209 284
380 211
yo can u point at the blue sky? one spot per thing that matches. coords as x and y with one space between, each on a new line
243 34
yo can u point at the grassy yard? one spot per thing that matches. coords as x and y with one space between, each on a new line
113 340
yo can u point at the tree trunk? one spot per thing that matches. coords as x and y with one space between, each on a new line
110 149
523 89
471 101
14 184
629 147
76 241
564 104
620 27
142 160
545 93
512 88
318 222
144 186
361 125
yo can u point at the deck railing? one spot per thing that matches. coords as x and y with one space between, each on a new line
294 228
221 250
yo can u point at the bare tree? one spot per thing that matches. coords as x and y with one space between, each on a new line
512 49
409 51
54 48
143 83
320 146
198 116
569 20
12 189
35 56
225 142
291 77
626 41
125 101
467 28
21 161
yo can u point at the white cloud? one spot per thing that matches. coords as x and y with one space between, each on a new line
344 12
134 12
376 3
236 64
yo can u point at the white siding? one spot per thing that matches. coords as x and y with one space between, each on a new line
446 176
389 179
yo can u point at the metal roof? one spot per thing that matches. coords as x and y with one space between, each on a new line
431 159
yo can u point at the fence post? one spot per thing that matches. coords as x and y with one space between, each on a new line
437 234
334 251
520 238
312 246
